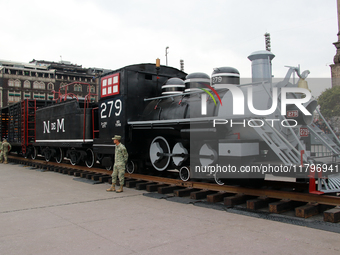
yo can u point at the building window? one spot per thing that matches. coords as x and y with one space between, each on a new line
10 83
42 85
50 86
38 85
27 95
14 97
78 88
17 83
62 85
38 95
50 96
92 89
27 84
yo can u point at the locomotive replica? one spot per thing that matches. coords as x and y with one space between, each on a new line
211 128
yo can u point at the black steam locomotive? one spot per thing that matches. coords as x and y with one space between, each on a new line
203 127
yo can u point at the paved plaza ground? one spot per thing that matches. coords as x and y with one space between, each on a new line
51 213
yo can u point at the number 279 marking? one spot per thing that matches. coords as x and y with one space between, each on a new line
108 107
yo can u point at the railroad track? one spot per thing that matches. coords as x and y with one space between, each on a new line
270 196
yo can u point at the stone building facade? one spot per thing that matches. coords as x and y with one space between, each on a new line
335 68
41 79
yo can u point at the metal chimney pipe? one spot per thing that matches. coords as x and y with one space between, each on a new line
261 65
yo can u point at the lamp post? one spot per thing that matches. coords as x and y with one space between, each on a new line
166 54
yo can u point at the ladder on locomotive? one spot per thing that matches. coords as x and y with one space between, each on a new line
331 183
280 146
333 144
28 109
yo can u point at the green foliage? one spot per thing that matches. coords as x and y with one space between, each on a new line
329 102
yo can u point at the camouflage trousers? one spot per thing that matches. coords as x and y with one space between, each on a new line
3 155
118 170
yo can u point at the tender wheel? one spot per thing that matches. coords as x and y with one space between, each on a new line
47 154
131 167
184 173
34 153
59 155
90 158
159 153
73 157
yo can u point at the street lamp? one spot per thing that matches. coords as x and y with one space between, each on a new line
166 54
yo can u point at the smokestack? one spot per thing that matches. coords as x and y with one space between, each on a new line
261 65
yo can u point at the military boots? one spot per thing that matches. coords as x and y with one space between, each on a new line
112 188
120 189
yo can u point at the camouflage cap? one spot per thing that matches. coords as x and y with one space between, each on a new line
117 137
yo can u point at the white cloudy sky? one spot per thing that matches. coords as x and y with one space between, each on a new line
205 33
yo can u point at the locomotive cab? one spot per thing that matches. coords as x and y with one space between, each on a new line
122 94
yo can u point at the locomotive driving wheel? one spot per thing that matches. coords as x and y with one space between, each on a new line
179 154
159 153
207 155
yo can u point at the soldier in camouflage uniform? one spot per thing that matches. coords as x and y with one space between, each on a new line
5 147
121 157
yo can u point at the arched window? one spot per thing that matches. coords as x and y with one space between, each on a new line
50 86
38 85
78 87
61 85
17 83
92 89
42 85
11 83
27 84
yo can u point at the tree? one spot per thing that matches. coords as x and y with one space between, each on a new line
329 102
